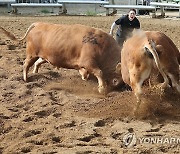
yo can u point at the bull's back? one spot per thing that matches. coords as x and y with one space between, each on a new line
63 45
56 36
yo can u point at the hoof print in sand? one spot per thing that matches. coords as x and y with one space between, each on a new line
28 119
42 114
26 150
100 123
56 139
11 47
32 133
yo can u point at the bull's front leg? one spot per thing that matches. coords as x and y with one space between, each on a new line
136 84
102 87
136 87
138 93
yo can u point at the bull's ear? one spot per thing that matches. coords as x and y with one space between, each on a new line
159 49
118 68
148 52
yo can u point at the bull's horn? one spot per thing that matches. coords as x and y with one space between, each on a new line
118 68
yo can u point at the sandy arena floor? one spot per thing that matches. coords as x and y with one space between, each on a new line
57 112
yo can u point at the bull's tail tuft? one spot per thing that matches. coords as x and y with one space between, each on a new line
8 34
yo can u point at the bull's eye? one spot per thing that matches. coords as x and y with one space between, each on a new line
115 82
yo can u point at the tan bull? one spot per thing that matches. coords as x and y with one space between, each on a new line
143 51
89 50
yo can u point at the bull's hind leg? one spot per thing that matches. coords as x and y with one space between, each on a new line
29 61
37 64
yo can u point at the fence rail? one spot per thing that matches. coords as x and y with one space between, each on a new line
36 1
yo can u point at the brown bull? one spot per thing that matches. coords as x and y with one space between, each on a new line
143 51
89 50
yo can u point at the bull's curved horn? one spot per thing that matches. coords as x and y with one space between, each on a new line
118 68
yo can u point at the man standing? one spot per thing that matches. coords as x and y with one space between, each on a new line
126 24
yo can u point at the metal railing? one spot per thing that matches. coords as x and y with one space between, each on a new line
36 1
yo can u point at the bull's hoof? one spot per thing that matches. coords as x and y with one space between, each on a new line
35 71
102 90
84 74
85 78
25 79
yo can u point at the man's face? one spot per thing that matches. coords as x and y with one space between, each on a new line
131 15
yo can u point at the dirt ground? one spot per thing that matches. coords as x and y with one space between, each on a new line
57 112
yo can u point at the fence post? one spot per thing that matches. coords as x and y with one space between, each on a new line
114 10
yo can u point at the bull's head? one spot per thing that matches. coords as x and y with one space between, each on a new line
116 80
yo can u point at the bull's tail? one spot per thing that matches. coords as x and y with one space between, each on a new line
157 62
8 34
12 37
